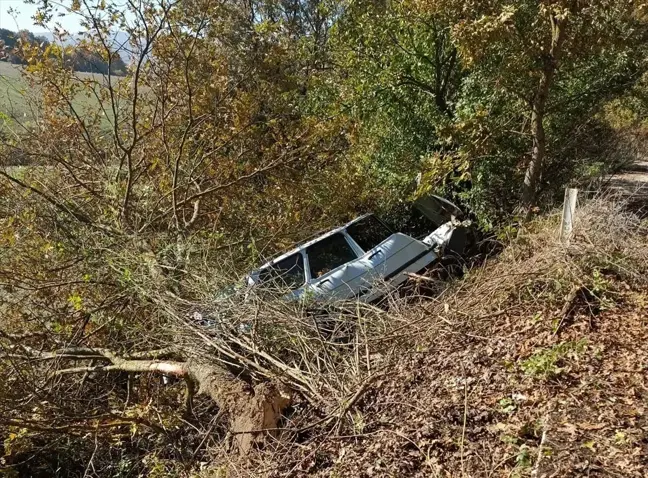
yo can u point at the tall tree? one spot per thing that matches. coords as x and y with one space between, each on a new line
535 50
398 78
133 190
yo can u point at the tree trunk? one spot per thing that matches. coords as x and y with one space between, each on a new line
252 411
539 104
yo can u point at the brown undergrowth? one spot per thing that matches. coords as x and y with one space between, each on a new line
533 364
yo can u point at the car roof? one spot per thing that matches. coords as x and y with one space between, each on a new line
310 242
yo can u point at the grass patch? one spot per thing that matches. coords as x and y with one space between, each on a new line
19 103
553 361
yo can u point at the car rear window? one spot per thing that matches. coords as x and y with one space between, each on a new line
328 254
368 232
288 272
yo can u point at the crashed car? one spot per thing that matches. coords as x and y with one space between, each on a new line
364 258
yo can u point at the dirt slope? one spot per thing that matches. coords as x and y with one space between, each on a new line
534 365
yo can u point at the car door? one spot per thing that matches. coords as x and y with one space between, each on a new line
387 254
335 271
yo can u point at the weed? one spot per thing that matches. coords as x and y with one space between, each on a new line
600 289
510 439
523 458
358 422
508 233
507 405
547 362
620 438
537 317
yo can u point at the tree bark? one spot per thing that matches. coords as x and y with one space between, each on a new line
539 104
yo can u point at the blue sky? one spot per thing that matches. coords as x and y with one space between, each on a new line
23 19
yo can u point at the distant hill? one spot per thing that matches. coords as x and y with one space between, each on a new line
81 58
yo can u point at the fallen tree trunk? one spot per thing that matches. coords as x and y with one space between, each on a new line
251 410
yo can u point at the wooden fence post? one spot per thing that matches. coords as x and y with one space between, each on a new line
569 210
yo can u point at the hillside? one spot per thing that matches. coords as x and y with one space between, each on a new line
135 341
532 365
19 103
15 49
12 89
118 42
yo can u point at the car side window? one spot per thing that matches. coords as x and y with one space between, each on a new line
328 254
368 232
288 272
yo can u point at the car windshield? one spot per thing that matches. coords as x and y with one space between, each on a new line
368 232
288 272
328 254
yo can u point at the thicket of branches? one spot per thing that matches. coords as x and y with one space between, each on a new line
127 203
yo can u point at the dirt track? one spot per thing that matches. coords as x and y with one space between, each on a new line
633 184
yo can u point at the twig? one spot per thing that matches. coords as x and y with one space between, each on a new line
465 419
91 461
536 467
420 277
213 423
566 308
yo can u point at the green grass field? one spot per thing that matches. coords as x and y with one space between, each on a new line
17 103
12 91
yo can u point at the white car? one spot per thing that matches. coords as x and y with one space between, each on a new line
362 259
